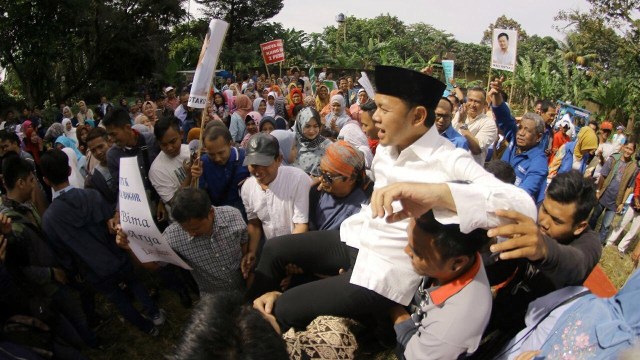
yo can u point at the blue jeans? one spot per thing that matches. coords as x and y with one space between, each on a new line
111 290
607 219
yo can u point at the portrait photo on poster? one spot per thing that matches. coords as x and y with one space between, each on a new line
504 49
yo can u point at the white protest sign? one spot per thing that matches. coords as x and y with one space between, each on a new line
207 63
366 84
145 240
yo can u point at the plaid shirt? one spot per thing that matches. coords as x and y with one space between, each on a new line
215 259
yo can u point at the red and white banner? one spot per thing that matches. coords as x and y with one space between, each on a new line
272 51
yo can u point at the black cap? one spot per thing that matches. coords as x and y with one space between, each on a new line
409 85
262 150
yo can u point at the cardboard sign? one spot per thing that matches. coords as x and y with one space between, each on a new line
145 240
207 64
272 51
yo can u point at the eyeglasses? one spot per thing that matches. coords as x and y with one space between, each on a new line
443 117
330 178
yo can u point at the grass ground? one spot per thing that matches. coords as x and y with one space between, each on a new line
132 344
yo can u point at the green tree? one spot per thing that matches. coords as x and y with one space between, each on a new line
58 48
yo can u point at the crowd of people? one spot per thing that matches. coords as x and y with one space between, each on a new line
320 219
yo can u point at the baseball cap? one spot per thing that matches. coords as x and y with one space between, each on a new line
169 88
620 127
606 125
262 150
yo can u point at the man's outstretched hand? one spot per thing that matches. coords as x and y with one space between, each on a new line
525 238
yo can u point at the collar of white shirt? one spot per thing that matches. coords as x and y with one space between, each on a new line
60 192
425 145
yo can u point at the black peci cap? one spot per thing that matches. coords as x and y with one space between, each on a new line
409 85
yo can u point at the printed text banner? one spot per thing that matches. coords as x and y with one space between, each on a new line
145 240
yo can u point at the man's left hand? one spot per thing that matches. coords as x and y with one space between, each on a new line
525 241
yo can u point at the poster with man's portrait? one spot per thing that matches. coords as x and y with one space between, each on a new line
504 49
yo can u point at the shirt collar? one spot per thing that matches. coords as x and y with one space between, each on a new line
449 133
60 192
427 144
440 294
534 151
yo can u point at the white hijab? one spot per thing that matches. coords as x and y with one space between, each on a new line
271 109
75 178
69 133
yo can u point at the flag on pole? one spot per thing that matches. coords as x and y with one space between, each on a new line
312 78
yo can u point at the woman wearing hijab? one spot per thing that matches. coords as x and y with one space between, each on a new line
237 126
64 142
338 116
271 104
356 109
53 132
229 100
33 143
219 105
69 130
352 133
287 142
296 99
75 178
311 145
344 187
260 105
267 124
252 121
322 98
149 110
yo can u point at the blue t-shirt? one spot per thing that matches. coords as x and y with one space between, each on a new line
221 182
456 138
329 212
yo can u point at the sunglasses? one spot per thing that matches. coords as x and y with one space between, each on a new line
330 178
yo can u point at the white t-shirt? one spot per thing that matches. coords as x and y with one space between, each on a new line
167 174
283 204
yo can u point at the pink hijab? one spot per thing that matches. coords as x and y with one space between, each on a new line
243 105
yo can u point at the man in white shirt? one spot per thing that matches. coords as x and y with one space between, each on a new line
475 125
276 198
502 55
170 171
378 272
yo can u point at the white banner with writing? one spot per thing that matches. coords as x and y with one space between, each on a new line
145 240
207 63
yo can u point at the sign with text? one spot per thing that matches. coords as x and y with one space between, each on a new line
145 240
272 51
207 64
505 49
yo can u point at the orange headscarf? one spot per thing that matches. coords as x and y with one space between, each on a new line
341 158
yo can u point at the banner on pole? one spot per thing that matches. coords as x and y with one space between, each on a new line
447 69
207 62
145 240
272 51
505 49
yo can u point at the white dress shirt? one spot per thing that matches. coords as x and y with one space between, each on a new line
483 128
382 265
